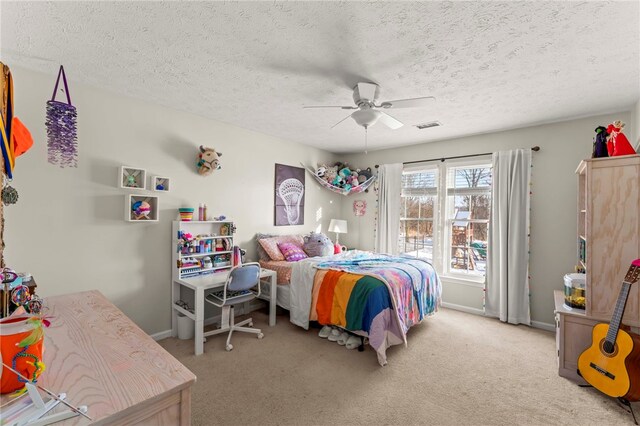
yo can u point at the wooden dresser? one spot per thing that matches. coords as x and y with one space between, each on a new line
101 359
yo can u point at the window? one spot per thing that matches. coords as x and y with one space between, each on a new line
444 216
417 213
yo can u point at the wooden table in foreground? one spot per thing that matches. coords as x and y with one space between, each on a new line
101 359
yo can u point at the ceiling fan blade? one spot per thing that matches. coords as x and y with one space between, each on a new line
389 121
409 103
331 106
367 91
348 116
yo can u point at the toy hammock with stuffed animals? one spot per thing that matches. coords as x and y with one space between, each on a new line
344 191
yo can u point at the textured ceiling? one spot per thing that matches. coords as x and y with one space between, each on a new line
491 65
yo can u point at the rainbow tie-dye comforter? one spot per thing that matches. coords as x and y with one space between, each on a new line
373 295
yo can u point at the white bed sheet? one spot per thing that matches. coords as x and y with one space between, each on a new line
283 295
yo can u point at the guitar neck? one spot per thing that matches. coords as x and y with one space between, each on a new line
616 319
633 275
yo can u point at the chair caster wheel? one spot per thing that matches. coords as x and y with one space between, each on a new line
260 335
229 347
250 324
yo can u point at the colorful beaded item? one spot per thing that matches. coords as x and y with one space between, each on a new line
20 295
39 366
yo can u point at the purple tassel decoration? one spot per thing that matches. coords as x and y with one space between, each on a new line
62 134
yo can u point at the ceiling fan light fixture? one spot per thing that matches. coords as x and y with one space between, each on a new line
366 117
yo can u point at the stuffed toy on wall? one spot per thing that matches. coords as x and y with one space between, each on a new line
359 207
618 143
317 244
208 161
600 143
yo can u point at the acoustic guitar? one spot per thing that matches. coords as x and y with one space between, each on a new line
612 363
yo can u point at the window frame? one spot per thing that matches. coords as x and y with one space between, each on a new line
444 208
430 192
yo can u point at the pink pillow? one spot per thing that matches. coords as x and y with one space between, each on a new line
270 245
291 252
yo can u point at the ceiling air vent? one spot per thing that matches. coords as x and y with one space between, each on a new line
429 125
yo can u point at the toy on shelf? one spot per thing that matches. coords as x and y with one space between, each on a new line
343 179
618 144
600 143
141 210
208 161
160 184
132 178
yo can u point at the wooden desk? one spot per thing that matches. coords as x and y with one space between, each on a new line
202 283
101 359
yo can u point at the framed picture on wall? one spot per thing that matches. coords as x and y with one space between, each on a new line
289 195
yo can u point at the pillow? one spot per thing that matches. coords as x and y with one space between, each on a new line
291 252
262 255
270 245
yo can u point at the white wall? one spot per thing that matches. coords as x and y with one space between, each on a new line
68 227
632 129
553 205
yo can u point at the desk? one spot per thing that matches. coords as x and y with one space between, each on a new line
202 283
100 358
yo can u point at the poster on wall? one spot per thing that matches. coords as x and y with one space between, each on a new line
289 195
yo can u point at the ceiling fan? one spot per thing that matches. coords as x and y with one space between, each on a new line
368 112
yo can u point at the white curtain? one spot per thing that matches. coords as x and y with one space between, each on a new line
507 286
388 223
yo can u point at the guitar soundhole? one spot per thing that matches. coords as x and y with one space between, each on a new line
608 347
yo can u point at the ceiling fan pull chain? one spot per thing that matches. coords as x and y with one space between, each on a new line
366 133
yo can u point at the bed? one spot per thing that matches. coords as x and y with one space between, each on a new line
372 295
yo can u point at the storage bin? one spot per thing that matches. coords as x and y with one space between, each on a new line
185 327
574 290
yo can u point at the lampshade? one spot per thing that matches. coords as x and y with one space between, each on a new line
338 225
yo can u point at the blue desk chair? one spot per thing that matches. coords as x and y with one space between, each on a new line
237 289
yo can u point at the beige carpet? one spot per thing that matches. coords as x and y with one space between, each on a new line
457 369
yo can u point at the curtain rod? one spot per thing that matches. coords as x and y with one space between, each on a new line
534 149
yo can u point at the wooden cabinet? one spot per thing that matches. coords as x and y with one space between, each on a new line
609 232
608 240
573 336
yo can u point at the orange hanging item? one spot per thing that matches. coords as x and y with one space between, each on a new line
21 348
21 140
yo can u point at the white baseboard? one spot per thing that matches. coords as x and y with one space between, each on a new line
462 308
161 335
535 324
543 326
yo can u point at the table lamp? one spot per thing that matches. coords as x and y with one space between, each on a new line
339 227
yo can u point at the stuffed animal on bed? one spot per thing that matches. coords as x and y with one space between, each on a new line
317 244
